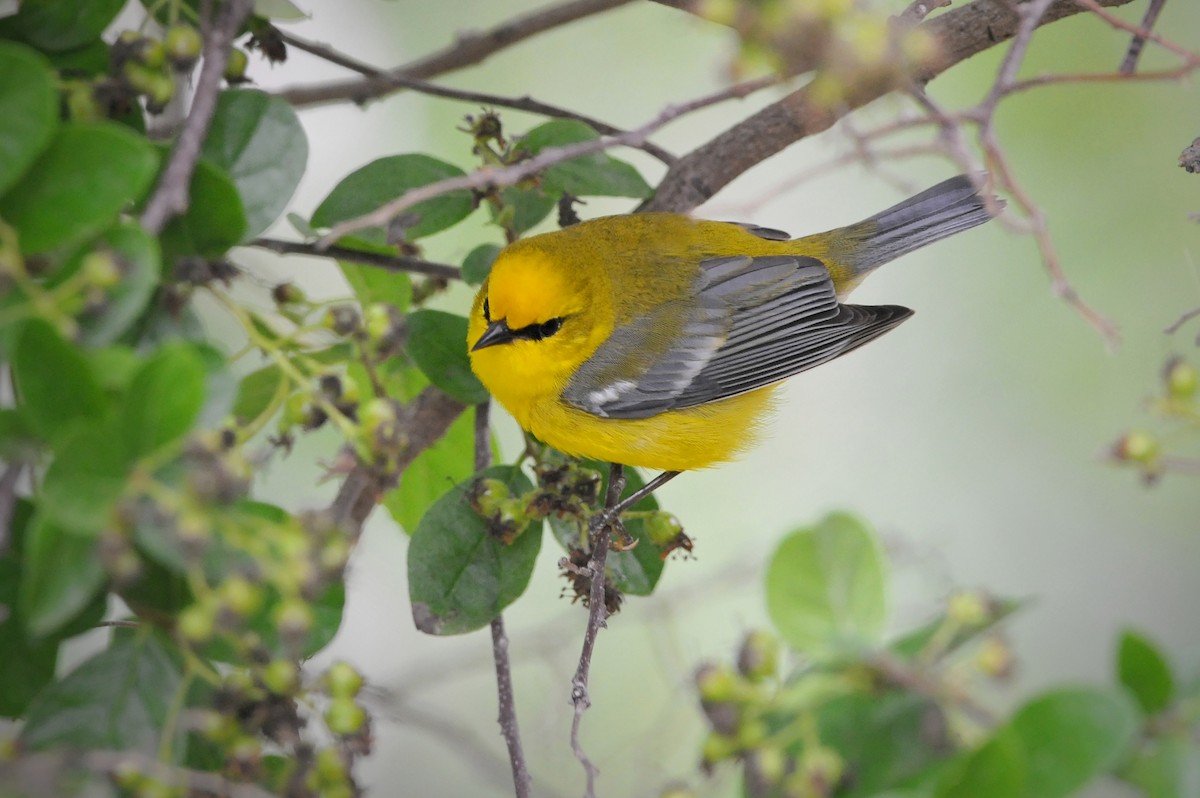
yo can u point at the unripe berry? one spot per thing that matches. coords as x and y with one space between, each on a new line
293 619
1182 379
280 677
342 680
197 622
1139 446
968 608
758 657
235 67
183 45
344 717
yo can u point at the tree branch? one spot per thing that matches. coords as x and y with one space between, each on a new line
391 263
506 697
467 49
170 198
601 537
961 33
492 177
424 421
525 103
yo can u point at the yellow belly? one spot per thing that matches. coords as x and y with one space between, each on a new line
679 440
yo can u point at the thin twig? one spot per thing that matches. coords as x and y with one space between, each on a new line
1129 63
601 537
526 103
1114 21
960 33
467 49
391 263
1182 320
492 177
505 694
171 196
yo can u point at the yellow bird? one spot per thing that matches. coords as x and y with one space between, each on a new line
656 339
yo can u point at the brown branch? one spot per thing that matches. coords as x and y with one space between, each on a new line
525 103
424 421
467 49
170 197
506 697
961 33
391 263
493 177
1129 63
601 537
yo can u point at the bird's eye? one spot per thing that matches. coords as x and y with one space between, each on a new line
548 328
487 310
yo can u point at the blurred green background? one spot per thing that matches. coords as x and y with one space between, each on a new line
971 437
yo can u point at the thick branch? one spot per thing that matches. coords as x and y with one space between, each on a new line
467 49
961 33
171 196
424 420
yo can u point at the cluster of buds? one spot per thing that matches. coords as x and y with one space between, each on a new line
1176 402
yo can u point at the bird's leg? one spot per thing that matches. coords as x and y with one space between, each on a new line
643 492
612 512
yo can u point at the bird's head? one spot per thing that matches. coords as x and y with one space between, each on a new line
534 321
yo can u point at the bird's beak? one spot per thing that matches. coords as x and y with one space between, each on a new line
496 333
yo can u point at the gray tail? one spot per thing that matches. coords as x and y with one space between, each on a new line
949 207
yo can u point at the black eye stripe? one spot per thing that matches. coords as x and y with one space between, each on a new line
538 332
487 310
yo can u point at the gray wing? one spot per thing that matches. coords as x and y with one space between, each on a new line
757 321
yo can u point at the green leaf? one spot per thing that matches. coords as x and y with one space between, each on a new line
91 60
478 263
524 208
1167 767
258 140
381 181
28 109
214 221
1145 672
372 284
994 770
86 479
598 174
437 343
460 575
113 367
118 699
886 740
141 273
281 10
64 24
54 383
826 586
914 643
256 392
26 665
61 576
1070 736
78 185
164 399
450 460
17 439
